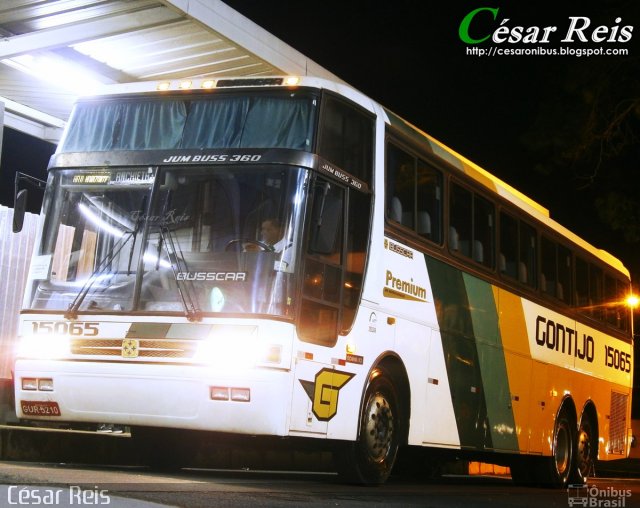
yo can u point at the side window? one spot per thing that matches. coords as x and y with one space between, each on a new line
460 220
429 209
401 177
346 138
610 295
508 256
471 226
527 265
414 194
483 231
517 256
596 291
555 270
548 276
583 301
565 272
623 312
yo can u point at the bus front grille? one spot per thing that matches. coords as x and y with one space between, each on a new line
145 348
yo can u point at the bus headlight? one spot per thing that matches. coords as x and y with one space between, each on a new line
47 347
237 347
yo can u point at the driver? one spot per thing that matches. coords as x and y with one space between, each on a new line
272 233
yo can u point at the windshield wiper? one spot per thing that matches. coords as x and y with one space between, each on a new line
72 310
179 265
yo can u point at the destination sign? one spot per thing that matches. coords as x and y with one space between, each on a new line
131 177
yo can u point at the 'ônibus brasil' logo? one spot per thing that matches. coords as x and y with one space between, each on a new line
323 392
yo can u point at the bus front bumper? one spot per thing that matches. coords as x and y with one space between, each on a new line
251 401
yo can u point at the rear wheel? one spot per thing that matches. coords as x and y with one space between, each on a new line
586 450
369 460
556 470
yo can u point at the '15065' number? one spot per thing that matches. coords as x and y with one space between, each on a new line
617 359
75 329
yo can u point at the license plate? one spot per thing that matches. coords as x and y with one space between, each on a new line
40 408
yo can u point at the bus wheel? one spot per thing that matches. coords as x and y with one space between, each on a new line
586 451
369 460
559 466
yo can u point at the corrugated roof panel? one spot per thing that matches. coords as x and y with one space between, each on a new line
122 41
35 93
182 34
24 16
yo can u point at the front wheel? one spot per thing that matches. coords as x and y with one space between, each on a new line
370 458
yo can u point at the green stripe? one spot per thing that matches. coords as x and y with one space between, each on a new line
493 367
461 355
476 367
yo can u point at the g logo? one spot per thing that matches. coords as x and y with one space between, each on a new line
324 392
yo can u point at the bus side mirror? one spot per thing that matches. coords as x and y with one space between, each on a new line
20 198
19 208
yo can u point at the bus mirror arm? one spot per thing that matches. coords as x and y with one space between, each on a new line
20 198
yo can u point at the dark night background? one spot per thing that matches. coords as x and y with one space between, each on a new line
562 129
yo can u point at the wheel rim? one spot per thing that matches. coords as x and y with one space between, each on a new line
584 452
379 427
562 454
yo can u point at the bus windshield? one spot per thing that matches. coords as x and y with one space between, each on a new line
190 240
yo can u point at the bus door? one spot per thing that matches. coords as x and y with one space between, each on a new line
337 235
321 304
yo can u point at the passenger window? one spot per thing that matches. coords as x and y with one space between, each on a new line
460 221
429 209
527 264
508 257
471 229
401 186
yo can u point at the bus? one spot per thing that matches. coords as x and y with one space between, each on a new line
412 299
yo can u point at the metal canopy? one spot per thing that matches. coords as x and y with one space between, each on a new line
44 43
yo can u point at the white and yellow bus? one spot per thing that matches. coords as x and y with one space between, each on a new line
411 297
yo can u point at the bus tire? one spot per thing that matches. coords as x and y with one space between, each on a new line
586 450
557 470
369 460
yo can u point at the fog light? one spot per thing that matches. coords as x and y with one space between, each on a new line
45 385
219 393
29 383
241 394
